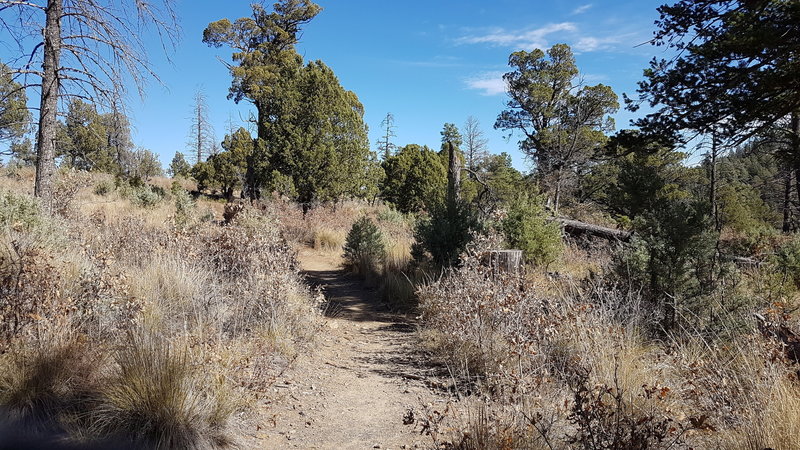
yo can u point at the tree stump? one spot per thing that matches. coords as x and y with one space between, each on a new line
504 260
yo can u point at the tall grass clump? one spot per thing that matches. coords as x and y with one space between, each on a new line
154 397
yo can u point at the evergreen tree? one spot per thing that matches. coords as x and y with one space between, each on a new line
562 123
415 180
735 74
265 65
179 167
14 115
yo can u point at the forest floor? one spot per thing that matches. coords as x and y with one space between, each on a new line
356 388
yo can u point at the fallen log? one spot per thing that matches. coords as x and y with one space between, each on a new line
578 228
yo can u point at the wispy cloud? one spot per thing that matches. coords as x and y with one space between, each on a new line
535 38
590 43
581 9
489 83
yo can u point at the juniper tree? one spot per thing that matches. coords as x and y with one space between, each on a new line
264 63
562 121
310 129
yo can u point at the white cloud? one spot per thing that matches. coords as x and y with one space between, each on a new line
581 9
522 38
490 83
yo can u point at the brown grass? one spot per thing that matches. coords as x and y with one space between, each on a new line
124 326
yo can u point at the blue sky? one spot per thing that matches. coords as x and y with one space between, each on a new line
427 62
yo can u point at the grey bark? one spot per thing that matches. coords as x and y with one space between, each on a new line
453 176
46 138
578 228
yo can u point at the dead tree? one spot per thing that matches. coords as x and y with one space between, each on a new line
201 135
84 49
577 228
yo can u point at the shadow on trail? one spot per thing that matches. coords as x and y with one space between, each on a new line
349 299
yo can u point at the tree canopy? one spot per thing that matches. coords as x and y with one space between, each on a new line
735 72
562 121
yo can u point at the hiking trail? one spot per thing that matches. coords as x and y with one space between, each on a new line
354 388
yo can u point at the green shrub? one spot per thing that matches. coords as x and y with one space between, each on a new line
146 196
104 188
364 247
443 237
393 216
19 211
785 263
526 228
184 208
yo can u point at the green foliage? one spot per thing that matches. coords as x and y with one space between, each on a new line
786 262
365 246
450 133
22 153
226 172
309 127
503 180
714 38
320 138
104 187
179 167
14 115
141 164
526 228
673 255
443 236
203 174
19 211
282 184
562 123
416 179
142 195
89 140
184 208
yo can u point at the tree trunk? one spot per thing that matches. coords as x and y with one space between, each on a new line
453 177
577 228
48 113
713 186
787 201
795 148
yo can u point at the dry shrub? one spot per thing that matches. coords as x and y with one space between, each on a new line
225 309
559 371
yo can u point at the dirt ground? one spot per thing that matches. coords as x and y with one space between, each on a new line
355 389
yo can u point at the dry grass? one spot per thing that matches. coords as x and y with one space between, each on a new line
122 326
328 240
565 363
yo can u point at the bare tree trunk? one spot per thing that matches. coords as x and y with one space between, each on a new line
48 118
787 202
795 148
453 177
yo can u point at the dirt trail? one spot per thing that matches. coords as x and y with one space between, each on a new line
353 390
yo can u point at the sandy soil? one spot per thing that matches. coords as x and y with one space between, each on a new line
354 390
